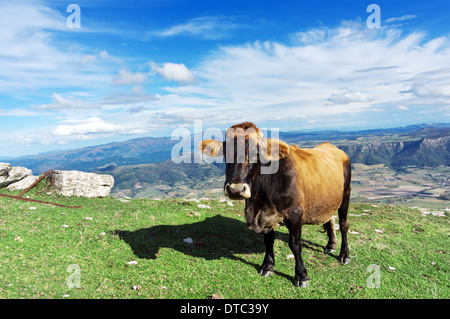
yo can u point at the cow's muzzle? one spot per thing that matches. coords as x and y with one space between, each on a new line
237 190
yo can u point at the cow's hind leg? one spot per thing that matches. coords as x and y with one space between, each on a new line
269 259
331 232
343 220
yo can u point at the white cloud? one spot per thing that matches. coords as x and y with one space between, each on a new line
89 126
137 95
19 112
431 84
34 53
125 77
211 27
88 58
359 70
402 18
174 72
61 103
349 97
431 90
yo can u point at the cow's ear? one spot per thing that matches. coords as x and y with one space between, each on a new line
211 148
273 149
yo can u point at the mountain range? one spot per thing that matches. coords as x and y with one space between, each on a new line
145 163
422 145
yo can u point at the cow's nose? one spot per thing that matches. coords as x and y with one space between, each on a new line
237 190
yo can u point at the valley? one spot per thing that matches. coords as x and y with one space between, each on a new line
414 186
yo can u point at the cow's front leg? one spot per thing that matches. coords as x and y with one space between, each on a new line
294 225
269 259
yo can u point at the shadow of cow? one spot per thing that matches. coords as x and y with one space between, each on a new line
213 238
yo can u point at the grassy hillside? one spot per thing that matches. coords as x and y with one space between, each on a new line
52 252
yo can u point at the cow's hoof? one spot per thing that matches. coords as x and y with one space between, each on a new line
329 250
344 260
264 272
302 284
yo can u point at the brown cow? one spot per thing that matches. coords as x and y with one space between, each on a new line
307 187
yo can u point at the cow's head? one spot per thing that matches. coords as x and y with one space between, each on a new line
246 151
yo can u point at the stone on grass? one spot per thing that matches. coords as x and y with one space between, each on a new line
76 183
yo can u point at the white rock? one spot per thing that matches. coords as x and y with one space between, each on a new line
188 240
391 268
4 169
88 218
203 206
290 256
379 231
76 183
438 213
32 208
131 263
23 183
3 182
65 226
17 173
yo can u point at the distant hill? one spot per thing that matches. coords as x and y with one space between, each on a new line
420 145
166 179
135 151
417 131
423 147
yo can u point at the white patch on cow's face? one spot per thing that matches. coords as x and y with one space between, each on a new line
237 190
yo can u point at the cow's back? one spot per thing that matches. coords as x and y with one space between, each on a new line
320 180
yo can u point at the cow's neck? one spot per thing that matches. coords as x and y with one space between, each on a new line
275 191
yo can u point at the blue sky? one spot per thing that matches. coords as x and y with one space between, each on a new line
145 68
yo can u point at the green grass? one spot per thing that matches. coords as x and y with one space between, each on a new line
36 252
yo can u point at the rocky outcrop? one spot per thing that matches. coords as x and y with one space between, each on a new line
76 183
23 183
14 177
4 168
67 183
422 152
